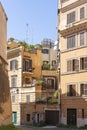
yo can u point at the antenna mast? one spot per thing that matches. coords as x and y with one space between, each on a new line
27 33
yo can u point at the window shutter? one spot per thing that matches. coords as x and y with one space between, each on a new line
68 18
68 90
69 65
82 38
76 64
30 64
82 12
85 63
10 65
16 64
81 89
71 17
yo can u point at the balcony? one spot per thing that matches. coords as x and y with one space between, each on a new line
28 85
28 71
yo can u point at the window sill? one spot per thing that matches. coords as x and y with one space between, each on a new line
74 72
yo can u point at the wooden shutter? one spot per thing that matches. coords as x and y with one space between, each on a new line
69 65
81 89
76 64
85 63
82 38
71 17
16 64
82 12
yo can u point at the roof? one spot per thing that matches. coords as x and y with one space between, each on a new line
12 45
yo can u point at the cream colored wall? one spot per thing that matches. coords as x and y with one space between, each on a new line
74 54
63 16
77 79
17 72
28 91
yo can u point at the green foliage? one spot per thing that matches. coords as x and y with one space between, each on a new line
40 124
31 47
11 39
9 127
56 94
52 101
23 43
66 126
39 82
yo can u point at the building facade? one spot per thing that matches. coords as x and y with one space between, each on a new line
5 100
23 72
31 84
72 31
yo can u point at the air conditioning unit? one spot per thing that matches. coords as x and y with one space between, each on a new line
70 25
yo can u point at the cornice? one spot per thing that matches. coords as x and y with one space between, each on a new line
73 5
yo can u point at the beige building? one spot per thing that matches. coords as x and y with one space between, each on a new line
72 30
32 83
23 72
5 101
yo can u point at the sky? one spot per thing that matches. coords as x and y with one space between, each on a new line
31 20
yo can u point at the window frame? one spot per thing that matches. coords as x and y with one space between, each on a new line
84 38
27 98
14 77
13 64
70 46
69 17
69 92
84 89
74 67
83 63
80 12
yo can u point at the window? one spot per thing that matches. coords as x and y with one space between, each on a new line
28 98
71 90
71 17
83 89
45 51
71 42
13 65
83 63
27 80
27 65
50 83
13 99
82 12
82 38
72 65
13 81
28 117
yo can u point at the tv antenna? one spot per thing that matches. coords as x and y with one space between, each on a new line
27 33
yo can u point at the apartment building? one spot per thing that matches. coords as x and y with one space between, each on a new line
24 69
72 31
32 84
5 101
50 75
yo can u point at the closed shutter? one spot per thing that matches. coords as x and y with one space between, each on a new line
82 38
82 12
71 17
76 64
69 65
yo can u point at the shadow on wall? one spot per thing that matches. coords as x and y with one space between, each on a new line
4 87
